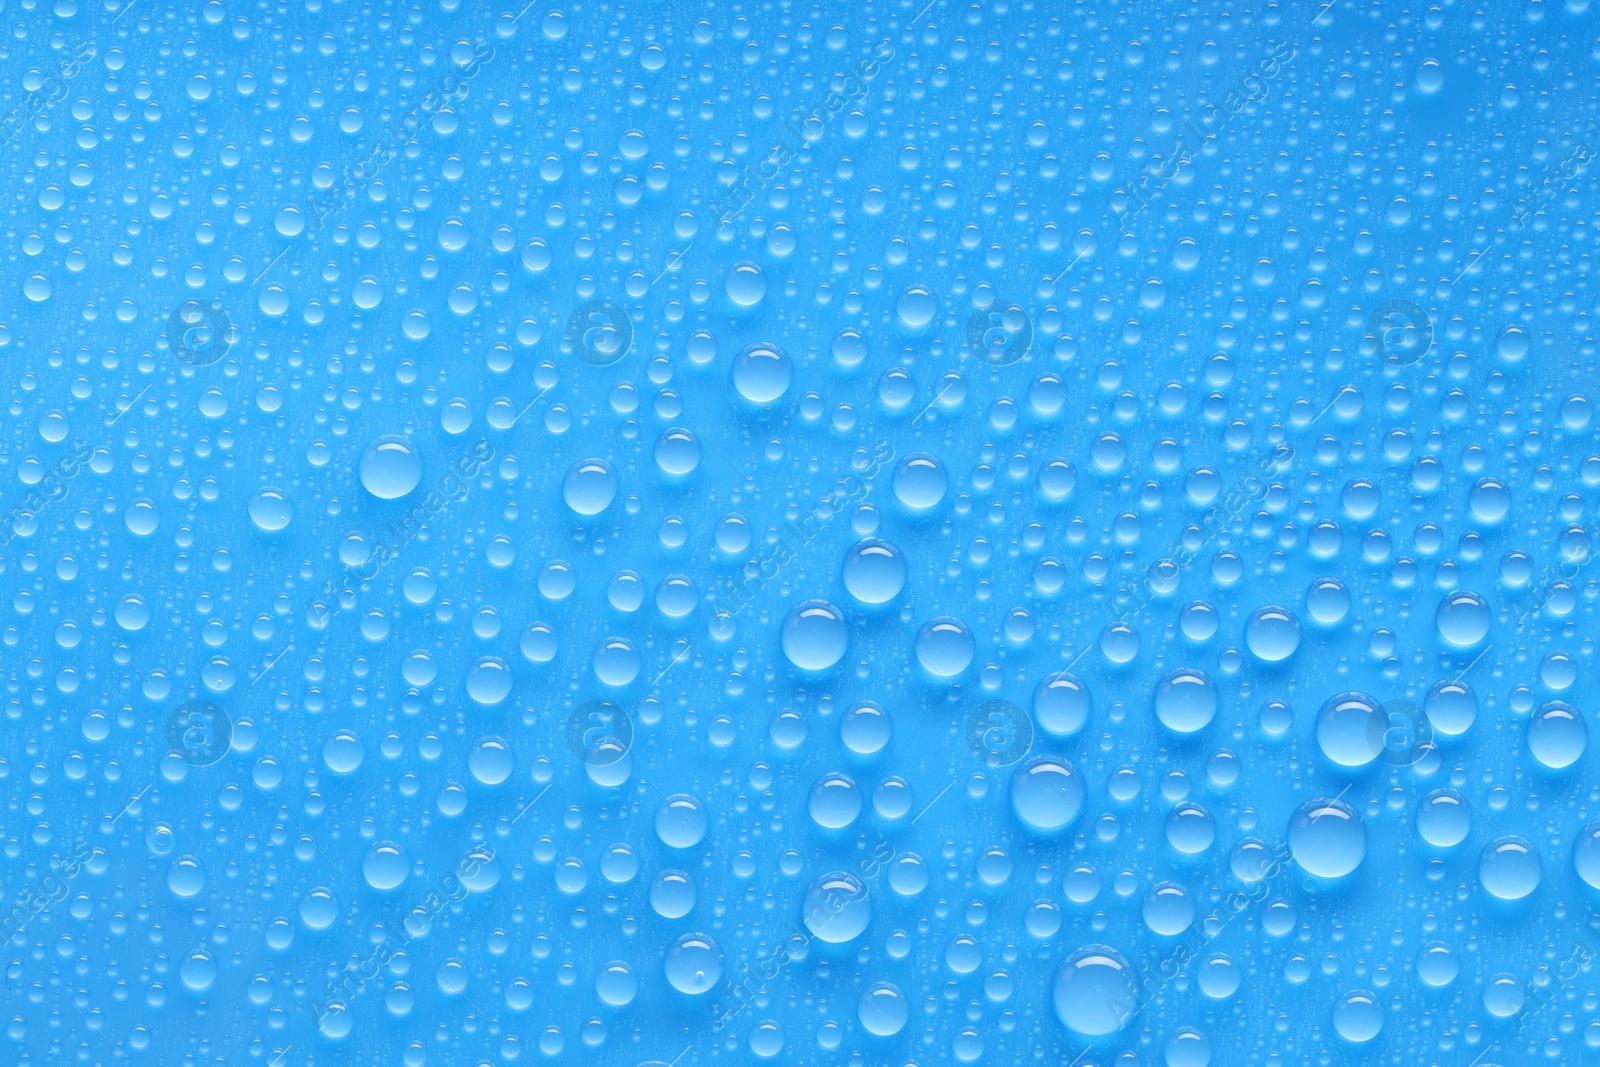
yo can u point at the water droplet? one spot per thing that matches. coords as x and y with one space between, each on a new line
590 487
391 467
1347 726
916 306
681 821
1444 818
1186 700
1451 707
677 451
385 866
865 728
835 801
1509 868
1463 618
1095 992
945 646
746 284
617 662
489 681
1272 634
883 1010
1327 838
815 635
1061 704
672 894
1047 794
1168 909
837 907
616 984
270 509
874 571
762 373
920 482
1357 1016
1557 735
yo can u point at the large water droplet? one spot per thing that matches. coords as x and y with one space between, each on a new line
1451 707
920 482
270 509
391 467
1443 818
835 801
1557 735
1509 868
1327 838
1061 704
1186 700
1350 729
874 571
762 373
1095 992
590 487
883 1010
945 646
1047 794
1463 618
746 284
693 964
1272 634
837 907
1357 1016
815 635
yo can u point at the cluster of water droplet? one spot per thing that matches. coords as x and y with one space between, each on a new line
798 539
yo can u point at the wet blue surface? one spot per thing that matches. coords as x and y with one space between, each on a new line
866 534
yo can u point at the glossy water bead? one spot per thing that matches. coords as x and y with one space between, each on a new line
590 487
837 907
1462 618
815 635
1509 868
391 467
1061 704
1186 700
1557 735
874 571
1327 838
920 482
762 373
1047 794
693 964
1094 992
1272 634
